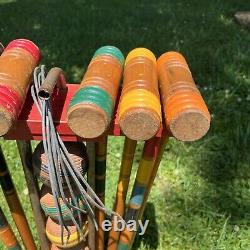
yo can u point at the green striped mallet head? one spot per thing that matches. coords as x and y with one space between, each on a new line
91 108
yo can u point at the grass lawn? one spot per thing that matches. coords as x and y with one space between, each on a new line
201 196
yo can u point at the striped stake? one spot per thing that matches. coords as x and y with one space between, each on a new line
140 189
157 162
122 187
100 177
6 234
15 205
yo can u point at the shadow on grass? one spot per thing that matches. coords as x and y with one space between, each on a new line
151 237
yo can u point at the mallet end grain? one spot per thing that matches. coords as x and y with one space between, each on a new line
87 121
190 125
6 121
139 124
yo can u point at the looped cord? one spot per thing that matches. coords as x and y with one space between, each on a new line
59 161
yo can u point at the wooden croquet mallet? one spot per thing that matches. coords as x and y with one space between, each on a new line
91 108
139 110
186 114
17 63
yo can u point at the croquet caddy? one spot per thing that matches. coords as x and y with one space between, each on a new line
140 98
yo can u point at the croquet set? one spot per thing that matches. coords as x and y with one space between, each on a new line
139 97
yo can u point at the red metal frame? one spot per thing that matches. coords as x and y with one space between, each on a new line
28 125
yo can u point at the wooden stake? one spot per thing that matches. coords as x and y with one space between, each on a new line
122 187
157 162
149 160
15 207
100 178
91 180
25 152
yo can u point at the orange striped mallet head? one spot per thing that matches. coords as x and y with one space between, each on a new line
186 114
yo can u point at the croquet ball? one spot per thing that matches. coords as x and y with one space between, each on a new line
48 204
78 156
53 232
81 246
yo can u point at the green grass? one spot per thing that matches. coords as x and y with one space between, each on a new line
201 196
